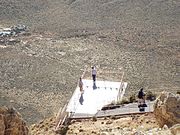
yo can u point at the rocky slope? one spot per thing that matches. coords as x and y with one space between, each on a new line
167 109
11 122
129 125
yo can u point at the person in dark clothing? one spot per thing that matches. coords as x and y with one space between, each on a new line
141 94
94 73
141 101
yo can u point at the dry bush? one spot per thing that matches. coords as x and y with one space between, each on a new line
124 101
178 92
113 117
150 96
62 130
132 98
113 103
94 118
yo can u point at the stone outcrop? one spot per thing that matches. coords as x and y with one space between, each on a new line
11 122
167 109
175 130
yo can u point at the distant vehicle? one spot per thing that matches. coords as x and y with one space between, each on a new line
5 33
19 28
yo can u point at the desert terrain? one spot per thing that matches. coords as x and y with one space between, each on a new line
39 74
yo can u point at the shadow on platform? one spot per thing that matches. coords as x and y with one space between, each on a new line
81 99
94 86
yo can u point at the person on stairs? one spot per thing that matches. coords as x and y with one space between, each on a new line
141 101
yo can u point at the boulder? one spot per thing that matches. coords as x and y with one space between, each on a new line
167 109
2 125
175 130
11 122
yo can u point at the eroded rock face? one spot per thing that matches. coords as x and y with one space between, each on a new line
175 130
167 109
11 122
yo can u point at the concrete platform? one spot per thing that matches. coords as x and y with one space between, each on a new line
95 96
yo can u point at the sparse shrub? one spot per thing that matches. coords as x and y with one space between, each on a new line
113 103
11 110
132 98
150 96
112 117
109 122
178 92
118 127
94 118
81 130
63 130
124 101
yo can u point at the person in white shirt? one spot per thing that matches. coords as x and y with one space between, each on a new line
94 73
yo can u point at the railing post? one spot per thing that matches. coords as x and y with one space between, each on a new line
120 88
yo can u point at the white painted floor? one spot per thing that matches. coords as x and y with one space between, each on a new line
94 97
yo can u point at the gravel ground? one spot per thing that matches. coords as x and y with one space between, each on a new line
39 74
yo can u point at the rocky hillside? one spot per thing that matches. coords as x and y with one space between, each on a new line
147 28
76 16
11 122
128 125
39 73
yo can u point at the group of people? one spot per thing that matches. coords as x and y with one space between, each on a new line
93 72
141 95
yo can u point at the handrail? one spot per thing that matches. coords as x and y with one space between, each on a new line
60 120
118 96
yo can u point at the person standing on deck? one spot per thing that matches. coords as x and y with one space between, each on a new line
80 84
141 94
94 73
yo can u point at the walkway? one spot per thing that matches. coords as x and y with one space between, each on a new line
123 110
